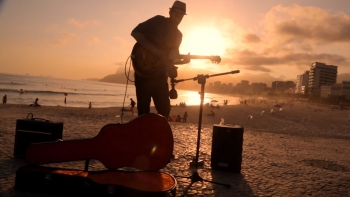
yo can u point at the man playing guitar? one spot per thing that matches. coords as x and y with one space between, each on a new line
159 35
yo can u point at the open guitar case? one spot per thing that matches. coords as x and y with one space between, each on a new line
39 178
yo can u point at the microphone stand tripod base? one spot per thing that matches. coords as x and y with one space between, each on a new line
195 177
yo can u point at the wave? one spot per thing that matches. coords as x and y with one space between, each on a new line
12 83
48 92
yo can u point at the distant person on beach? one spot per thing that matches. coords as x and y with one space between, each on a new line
185 117
4 99
35 104
132 105
178 118
90 105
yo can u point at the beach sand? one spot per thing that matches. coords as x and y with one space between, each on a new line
296 151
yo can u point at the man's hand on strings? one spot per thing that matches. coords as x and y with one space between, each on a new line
186 59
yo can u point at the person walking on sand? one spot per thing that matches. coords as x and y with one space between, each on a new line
4 99
185 117
90 105
132 106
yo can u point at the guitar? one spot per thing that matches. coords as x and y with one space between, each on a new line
146 64
116 182
145 143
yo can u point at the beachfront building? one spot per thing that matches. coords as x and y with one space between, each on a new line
302 83
244 83
346 89
342 89
321 75
303 90
277 86
258 88
243 87
283 87
331 90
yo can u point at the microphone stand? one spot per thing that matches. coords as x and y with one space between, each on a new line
195 177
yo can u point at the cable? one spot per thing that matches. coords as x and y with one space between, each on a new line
126 86
127 75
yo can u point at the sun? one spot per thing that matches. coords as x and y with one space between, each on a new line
203 41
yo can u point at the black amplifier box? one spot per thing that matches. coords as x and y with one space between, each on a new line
35 131
227 147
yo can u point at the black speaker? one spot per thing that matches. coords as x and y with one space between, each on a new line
35 131
227 148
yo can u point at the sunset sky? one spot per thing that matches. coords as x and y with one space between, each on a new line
91 39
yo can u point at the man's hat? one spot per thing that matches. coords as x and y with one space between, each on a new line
179 6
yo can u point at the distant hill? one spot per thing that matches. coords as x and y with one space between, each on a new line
92 79
117 78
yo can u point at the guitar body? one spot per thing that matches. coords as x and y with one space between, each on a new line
99 183
144 62
145 143
147 64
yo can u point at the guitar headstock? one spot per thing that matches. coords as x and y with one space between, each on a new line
215 59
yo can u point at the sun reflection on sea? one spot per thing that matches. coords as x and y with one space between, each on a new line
193 98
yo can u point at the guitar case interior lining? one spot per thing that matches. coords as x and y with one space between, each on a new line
41 179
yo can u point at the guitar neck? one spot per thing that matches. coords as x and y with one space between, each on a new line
215 59
56 152
195 56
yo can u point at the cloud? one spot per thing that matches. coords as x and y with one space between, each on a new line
121 42
308 23
291 36
93 40
65 38
254 61
81 24
251 38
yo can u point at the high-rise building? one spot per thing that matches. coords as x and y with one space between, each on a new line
341 89
244 83
302 83
321 75
346 89
282 87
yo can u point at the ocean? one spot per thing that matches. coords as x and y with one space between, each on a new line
78 93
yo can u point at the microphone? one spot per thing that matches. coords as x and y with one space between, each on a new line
172 92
